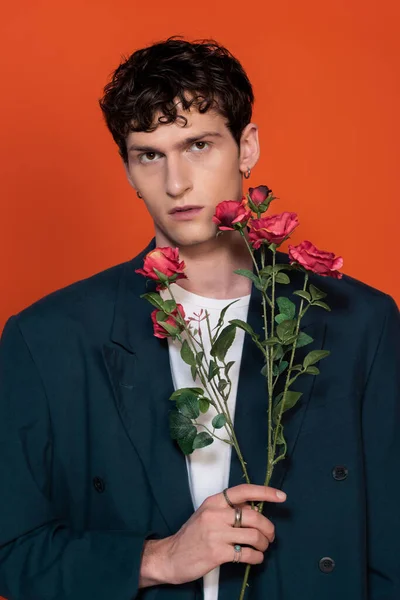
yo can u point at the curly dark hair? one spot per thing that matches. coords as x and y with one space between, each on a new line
151 78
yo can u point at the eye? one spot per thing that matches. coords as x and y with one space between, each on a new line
207 143
140 157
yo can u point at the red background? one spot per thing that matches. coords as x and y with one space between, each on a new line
327 89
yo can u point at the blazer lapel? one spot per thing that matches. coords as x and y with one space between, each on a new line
139 370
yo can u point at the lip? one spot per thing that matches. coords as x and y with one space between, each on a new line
185 213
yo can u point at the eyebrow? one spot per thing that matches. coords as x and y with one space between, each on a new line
189 140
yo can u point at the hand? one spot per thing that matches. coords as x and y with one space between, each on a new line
207 539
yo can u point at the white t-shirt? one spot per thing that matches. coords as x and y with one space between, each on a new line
208 468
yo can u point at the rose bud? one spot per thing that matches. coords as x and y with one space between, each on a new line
260 198
231 215
317 261
166 262
273 229
159 330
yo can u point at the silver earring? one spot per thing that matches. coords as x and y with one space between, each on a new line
138 195
247 175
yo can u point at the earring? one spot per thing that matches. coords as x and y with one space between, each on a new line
247 175
138 195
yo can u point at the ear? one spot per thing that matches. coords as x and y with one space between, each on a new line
249 147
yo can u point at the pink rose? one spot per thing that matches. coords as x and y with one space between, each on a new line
231 215
159 330
317 261
273 229
165 260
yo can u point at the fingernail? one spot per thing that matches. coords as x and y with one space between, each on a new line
281 495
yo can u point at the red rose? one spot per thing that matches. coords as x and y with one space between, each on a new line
159 330
317 261
260 198
231 215
273 229
166 261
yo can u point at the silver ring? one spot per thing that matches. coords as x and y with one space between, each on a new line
238 517
237 553
227 499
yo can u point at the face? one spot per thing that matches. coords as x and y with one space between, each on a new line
183 172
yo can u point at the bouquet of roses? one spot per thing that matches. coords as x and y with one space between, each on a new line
282 333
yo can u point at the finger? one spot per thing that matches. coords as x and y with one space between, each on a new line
248 492
248 536
248 556
251 518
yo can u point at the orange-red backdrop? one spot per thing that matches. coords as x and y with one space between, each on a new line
327 91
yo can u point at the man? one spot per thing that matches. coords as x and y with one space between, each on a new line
97 501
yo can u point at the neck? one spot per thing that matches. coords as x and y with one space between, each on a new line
210 267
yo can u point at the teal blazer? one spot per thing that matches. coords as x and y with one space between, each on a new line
88 470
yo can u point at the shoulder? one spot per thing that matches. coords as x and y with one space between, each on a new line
86 304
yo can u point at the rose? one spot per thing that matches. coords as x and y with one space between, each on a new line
317 261
166 262
260 198
273 229
171 320
231 215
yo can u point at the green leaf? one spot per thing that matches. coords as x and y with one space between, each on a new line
297 368
154 299
161 276
193 371
321 304
271 341
224 341
312 370
199 357
264 370
161 316
291 399
266 270
314 356
202 440
280 439
222 315
213 370
303 294
169 305
316 294
218 421
285 329
186 443
180 391
282 278
228 367
303 340
222 385
171 329
282 317
188 405
204 405
277 352
187 354
179 425
249 274
286 306
245 326
282 267
278 369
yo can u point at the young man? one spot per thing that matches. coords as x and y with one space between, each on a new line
97 501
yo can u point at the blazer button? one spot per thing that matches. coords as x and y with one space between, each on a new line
340 473
99 485
326 564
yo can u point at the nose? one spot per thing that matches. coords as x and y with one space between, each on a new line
178 179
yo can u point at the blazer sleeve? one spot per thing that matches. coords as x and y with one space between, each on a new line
381 444
40 556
